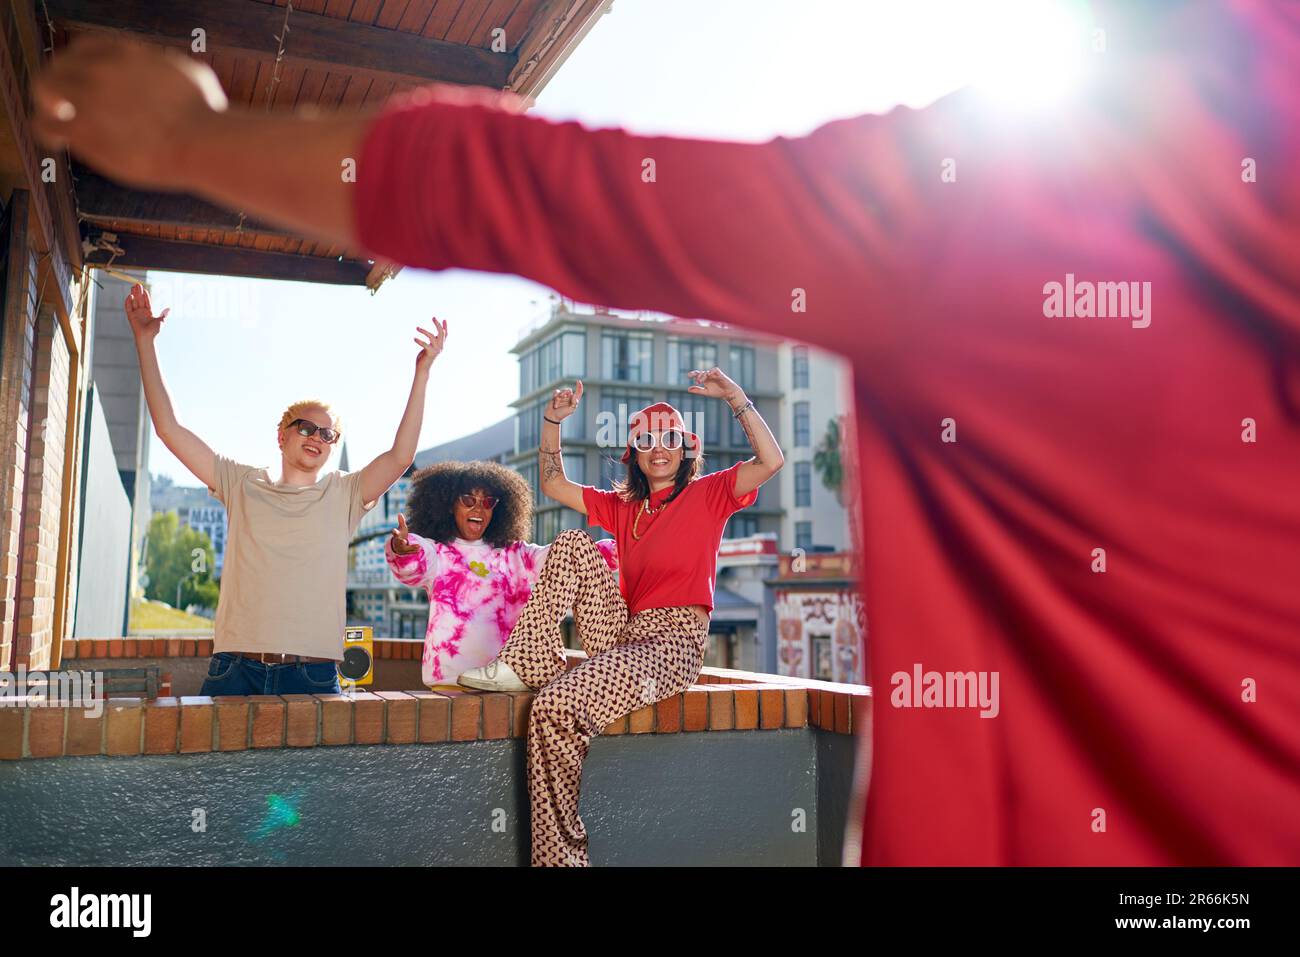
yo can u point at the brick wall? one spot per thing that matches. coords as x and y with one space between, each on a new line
43 495
17 330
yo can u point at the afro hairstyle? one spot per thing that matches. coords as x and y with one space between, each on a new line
430 507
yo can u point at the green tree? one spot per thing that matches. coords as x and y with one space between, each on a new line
827 460
179 556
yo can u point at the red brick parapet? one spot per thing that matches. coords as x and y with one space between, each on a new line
721 700
396 649
162 647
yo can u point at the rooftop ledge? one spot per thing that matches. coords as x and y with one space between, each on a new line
446 763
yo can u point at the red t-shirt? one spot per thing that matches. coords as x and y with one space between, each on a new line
921 243
675 560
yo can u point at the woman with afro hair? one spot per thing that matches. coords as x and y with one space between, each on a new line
465 547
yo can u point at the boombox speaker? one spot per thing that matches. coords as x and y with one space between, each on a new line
358 664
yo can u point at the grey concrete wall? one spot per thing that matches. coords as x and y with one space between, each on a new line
716 798
105 553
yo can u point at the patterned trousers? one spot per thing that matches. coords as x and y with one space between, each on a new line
632 662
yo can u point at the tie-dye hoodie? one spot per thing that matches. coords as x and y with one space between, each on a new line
476 593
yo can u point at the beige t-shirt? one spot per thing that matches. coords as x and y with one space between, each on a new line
284 582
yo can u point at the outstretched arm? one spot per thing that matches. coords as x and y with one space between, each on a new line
378 477
158 119
192 451
783 236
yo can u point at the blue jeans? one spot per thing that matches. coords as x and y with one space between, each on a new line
231 674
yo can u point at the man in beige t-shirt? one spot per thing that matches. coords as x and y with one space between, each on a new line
286 559
282 610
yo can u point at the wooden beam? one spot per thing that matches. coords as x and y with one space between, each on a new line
247 28
101 200
144 252
550 43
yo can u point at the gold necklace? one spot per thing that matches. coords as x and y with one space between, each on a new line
645 509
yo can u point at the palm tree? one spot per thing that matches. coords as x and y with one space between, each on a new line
827 461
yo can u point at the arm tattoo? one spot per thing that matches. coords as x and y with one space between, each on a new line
749 429
552 465
747 425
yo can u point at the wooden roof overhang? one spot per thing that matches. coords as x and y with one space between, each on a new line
336 55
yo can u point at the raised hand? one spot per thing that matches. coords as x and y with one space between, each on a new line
401 544
564 403
139 313
714 383
432 348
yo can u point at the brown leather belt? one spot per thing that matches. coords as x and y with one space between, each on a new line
278 657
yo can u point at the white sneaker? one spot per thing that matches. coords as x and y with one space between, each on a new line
494 676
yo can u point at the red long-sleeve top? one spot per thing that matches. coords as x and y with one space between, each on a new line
1149 711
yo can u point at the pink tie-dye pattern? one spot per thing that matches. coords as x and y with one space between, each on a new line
471 615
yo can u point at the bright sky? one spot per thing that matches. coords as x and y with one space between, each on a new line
236 352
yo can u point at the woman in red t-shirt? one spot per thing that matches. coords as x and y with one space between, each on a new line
645 637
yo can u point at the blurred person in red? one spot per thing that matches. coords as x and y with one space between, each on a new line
1075 341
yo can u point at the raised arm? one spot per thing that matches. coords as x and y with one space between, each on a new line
550 460
378 477
192 451
768 457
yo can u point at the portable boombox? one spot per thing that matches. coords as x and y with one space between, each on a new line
358 664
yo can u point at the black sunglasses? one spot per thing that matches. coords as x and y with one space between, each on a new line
328 435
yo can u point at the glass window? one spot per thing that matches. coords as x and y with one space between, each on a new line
721 461
627 356
802 425
799 363
574 361
527 372
563 356
528 427
616 407
802 484
575 467
529 472
822 667
803 535
686 354
741 366
741 525
702 414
